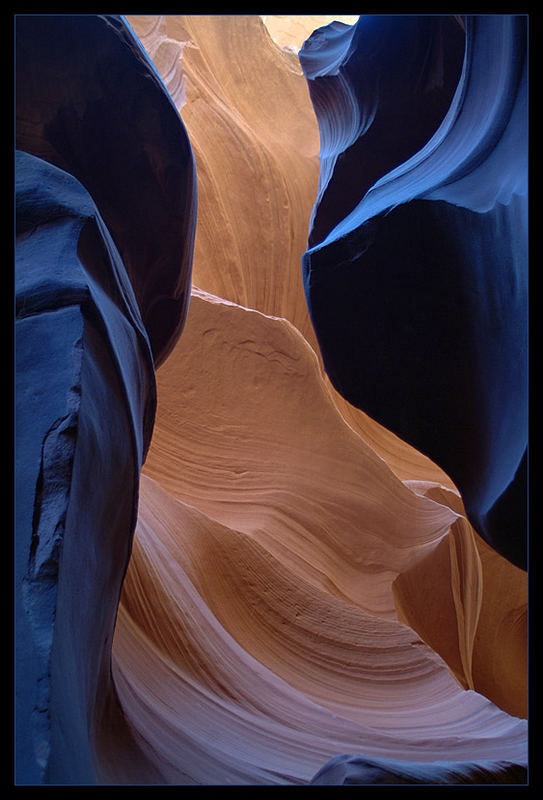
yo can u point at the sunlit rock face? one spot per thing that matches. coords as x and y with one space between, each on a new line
257 636
257 175
266 625
90 279
416 273
257 179
290 32
306 601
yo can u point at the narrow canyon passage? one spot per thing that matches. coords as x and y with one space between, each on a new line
254 576
293 520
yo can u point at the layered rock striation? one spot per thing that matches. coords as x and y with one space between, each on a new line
258 635
246 509
358 770
255 176
226 572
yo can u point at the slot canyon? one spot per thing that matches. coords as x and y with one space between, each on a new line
271 400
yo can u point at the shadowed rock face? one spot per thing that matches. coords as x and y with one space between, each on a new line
90 101
301 583
94 169
357 770
85 409
380 89
416 271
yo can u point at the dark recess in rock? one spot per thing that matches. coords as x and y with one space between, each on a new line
416 274
89 100
105 220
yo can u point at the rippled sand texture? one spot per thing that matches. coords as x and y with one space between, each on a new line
279 552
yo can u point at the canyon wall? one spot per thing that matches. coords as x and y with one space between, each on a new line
278 499
416 273
227 572
105 188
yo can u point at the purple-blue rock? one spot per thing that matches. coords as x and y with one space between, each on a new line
258 632
105 216
345 770
90 101
416 272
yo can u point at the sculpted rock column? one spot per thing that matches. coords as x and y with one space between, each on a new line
416 271
106 207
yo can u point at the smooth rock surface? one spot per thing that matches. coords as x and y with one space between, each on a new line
282 538
90 101
81 352
416 271
257 635
87 297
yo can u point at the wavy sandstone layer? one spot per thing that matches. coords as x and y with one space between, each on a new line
247 431
304 599
257 636
257 179
275 549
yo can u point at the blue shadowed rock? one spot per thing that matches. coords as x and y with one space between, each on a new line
416 272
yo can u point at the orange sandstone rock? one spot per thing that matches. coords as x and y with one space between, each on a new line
255 137
281 532
470 605
257 634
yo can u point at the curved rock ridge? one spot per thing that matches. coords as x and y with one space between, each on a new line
165 53
257 179
380 89
90 101
248 433
86 346
285 593
357 770
258 599
470 605
416 270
